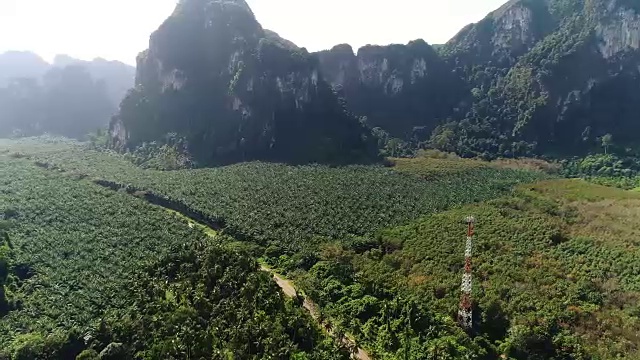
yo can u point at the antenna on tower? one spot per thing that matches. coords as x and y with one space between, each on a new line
465 315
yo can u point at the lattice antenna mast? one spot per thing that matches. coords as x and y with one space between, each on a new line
465 315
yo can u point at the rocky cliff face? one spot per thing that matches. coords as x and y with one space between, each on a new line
503 36
234 91
397 87
578 83
548 77
533 77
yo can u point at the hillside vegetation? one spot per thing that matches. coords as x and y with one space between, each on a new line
547 77
554 268
534 77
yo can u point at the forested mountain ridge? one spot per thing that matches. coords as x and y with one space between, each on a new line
397 87
117 76
575 81
230 91
535 77
70 97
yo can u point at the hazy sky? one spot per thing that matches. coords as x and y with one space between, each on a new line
120 29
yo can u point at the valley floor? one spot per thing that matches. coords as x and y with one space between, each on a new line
377 253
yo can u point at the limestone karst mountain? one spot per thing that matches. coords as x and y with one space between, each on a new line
397 87
232 91
553 77
21 64
534 77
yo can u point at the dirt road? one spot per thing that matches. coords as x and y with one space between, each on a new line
289 290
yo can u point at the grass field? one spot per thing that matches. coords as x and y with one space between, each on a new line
433 164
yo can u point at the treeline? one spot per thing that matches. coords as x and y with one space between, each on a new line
66 101
605 169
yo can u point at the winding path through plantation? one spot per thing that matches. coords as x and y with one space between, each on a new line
289 290
286 285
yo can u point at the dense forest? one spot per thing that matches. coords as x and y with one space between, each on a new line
5 250
534 77
93 273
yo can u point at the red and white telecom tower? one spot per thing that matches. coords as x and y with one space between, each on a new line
465 315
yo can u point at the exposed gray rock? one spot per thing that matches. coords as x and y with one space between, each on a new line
234 91
621 34
113 351
397 87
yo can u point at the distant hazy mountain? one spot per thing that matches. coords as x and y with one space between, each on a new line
68 102
21 64
118 77
70 97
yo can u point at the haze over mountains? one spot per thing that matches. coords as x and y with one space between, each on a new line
535 77
19 64
69 97
118 76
